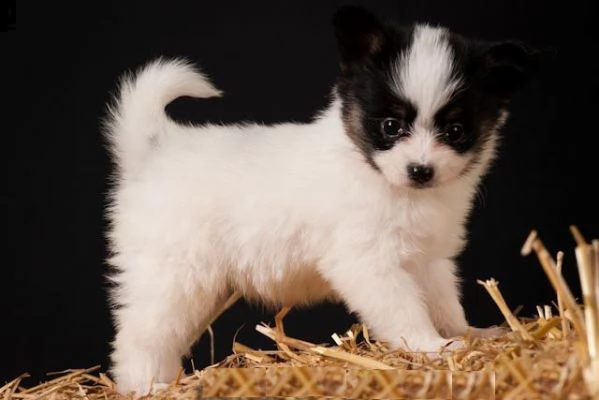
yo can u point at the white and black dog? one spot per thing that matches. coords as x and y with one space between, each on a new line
365 204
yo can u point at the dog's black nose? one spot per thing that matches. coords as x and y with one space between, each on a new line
420 174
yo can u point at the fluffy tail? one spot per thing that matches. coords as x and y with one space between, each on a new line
137 117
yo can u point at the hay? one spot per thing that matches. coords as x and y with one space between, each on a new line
546 356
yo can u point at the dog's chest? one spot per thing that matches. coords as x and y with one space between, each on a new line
430 228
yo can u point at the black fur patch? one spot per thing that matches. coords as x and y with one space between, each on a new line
367 99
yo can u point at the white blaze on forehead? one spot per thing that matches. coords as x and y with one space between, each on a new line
423 73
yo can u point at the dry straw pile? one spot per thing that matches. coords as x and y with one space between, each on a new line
552 356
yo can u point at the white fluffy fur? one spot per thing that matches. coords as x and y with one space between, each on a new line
289 214
423 74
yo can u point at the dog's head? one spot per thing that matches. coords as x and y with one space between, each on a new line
422 104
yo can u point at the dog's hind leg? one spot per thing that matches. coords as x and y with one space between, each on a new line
161 311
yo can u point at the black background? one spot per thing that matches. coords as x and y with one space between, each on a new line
275 61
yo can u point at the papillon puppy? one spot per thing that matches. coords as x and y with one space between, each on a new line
366 204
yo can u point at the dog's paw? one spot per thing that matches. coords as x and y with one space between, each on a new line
445 348
158 387
440 346
490 332
453 345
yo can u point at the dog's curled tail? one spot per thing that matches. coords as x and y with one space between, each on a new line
137 117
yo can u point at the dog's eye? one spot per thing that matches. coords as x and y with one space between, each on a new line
394 128
454 133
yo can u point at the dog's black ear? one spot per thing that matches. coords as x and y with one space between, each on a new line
506 67
359 35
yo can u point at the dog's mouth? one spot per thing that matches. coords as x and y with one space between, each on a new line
422 185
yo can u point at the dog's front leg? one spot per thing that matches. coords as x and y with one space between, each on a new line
441 285
384 295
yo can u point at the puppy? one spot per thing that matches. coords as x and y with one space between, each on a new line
365 204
